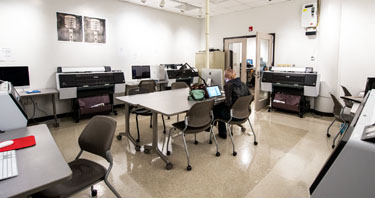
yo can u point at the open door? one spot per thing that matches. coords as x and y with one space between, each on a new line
264 53
235 56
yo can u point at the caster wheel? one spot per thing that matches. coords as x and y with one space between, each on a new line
243 129
188 168
137 140
94 193
269 110
217 154
147 151
119 137
255 143
168 153
164 132
333 146
301 115
169 166
210 142
137 147
150 126
234 153
116 113
328 135
196 142
169 118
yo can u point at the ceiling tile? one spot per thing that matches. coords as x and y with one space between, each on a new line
217 7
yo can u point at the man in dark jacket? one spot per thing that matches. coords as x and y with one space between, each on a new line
233 89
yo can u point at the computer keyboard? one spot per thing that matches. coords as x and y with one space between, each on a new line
8 164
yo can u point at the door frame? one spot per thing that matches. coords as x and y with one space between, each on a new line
261 102
254 36
243 58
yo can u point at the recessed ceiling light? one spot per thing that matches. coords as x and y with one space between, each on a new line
143 1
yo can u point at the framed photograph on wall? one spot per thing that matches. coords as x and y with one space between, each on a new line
94 30
69 27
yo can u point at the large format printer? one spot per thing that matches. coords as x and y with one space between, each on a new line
91 88
290 86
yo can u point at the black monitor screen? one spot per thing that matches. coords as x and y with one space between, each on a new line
140 72
17 75
370 84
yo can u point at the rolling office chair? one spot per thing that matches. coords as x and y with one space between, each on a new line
197 119
348 103
150 85
142 111
179 85
338 112
96 138
239 114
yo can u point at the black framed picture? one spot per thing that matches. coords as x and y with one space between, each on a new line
94 30
69 27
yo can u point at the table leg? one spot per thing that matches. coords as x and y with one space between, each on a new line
54 111
127 129
155 139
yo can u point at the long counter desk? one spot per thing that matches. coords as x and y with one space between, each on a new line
350 170
39 166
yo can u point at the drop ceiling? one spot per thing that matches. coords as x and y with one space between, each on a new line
196 8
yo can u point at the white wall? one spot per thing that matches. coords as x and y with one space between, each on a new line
135 35
357 49
282 19
343 49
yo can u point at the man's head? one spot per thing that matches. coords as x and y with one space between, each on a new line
229 74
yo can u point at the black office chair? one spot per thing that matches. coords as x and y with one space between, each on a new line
197 119
338 112
348 103
142 111
239 114
179 85
96 138
150 85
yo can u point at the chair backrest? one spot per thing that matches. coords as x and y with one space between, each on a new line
241 108
179 85
200 114
337 106
148 84
346 91
138 91
98 134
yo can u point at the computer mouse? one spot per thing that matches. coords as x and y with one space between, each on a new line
6 143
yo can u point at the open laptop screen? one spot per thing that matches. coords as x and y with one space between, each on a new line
213 91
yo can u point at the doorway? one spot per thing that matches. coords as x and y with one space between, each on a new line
249 56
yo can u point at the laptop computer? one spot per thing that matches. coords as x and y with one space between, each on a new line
213 91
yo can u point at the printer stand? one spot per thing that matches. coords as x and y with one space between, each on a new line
290 99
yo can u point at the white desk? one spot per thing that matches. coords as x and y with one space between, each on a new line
39 166
44 92
351 172
169 103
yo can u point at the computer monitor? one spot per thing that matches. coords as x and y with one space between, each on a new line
370 84
17 75
213 77
141 72
249 62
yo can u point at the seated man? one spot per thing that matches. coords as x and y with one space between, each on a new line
233 89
